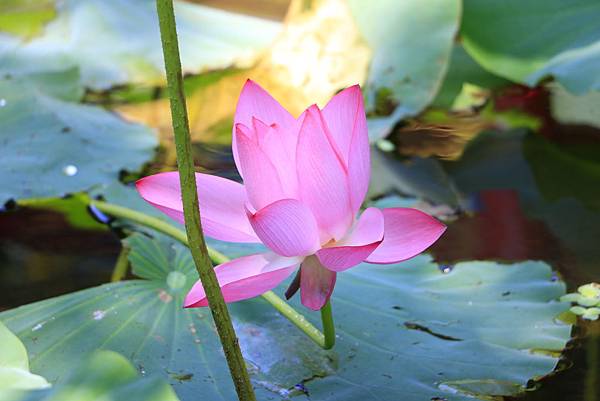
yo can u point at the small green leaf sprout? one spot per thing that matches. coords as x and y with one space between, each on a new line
587 299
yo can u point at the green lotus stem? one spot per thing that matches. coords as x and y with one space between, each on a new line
328 326
191 209
295 317
121 265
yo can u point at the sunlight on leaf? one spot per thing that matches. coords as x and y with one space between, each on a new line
14 365
571 109
104 375
318 52
116 42
26 18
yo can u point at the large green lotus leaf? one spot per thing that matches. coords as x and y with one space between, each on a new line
411 43
144 320
14 364
106 376
407 331
51 147
526 41
116 42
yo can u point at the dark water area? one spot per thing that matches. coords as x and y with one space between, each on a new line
42 255
511 208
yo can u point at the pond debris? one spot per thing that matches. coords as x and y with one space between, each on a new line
41 324
446 268
301 388
70 170
480 388
181 377
283 392
165 296
288 393
419 327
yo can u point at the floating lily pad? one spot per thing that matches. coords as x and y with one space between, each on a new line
411 47
50 147
410 331
527 41
14 364
116 42
104 375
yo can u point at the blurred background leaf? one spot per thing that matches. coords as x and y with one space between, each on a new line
411 43
14 365
527 41
103 375
51 147
26 18
99 37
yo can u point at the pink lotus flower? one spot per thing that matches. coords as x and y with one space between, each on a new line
304 182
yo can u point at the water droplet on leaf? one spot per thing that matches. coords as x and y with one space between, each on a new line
2 102
70 170
176 280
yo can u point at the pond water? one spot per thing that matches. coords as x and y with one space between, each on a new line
516 203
